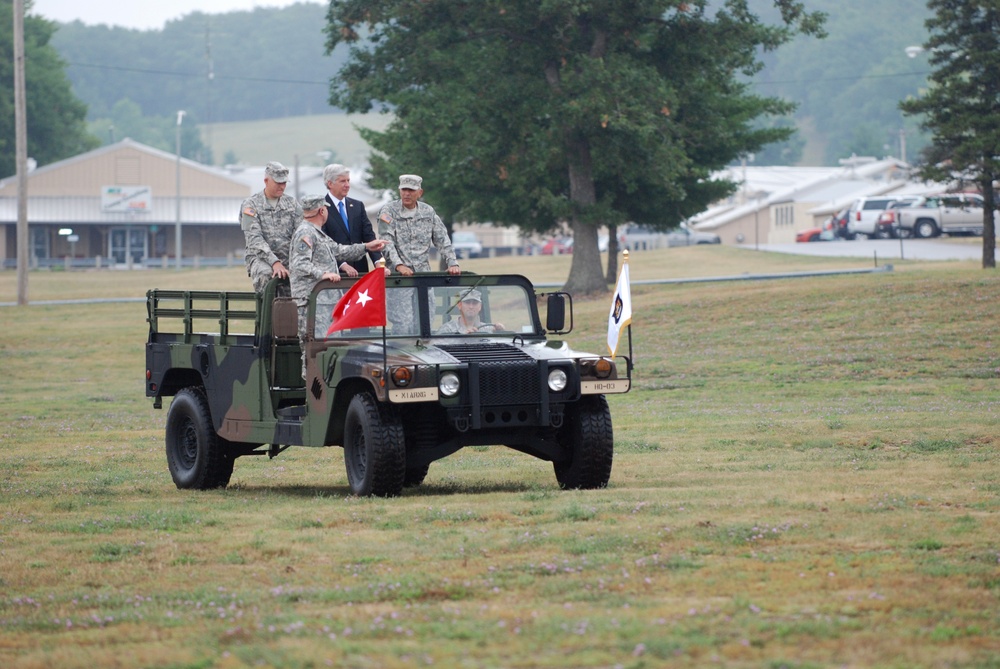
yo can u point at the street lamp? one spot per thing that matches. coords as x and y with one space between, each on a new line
177 224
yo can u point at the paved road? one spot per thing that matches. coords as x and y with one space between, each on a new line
970 248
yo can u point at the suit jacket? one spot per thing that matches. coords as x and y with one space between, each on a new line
361 228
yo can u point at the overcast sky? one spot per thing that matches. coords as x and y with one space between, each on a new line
143 15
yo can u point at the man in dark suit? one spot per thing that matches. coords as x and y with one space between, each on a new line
348 221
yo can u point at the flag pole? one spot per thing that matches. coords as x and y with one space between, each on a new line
380 267
629 326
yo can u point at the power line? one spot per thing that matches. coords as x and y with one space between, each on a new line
189 75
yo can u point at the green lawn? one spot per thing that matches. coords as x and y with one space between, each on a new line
806 475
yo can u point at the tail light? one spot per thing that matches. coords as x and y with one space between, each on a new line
858 215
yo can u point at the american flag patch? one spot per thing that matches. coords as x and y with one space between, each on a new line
249 211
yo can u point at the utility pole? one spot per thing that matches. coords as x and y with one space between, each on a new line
177 223
21 158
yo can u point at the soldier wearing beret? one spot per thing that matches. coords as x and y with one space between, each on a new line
268 219
315 257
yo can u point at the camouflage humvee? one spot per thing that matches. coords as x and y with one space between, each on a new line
396 398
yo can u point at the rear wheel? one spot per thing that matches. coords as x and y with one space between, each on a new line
374 448
196 456
588 435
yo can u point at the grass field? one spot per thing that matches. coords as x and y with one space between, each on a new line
806 475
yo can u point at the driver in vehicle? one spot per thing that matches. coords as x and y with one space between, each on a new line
468 321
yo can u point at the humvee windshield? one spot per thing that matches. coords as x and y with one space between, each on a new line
504 309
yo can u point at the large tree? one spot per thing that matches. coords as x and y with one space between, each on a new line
55 117
583 112
962 106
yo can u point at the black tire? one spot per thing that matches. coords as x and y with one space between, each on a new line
196 457
414 476
925 228
374 448
588 434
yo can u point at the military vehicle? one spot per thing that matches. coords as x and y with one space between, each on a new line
395 398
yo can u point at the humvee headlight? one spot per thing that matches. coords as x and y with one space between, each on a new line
402 376
557 380
449 384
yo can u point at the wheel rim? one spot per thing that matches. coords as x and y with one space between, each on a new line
359 455
187 448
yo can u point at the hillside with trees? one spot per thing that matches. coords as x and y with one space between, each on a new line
271 63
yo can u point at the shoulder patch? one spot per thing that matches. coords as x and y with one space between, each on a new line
385 218
249 211
308 241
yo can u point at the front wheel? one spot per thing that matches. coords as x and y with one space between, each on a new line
588 435
374 448
196 456
925 228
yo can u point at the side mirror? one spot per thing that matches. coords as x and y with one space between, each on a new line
555 316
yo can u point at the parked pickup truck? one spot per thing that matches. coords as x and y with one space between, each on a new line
395 399
954 213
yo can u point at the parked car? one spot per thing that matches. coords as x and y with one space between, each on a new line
640 237
823 233
886 226
466 245
954 213
865 211
557 246
820 234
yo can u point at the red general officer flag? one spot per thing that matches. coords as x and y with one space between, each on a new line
362 306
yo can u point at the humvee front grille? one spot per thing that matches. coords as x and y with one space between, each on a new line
503 383
507 375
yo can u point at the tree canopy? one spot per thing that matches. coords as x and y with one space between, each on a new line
962 105
55 117
577 112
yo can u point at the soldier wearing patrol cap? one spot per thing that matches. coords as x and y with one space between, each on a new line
411 227
268 219
468 321
315 257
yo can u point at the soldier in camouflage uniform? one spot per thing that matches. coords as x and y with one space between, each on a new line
411 227
268 219
315 257
468 321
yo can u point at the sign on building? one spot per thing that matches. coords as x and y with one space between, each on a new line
125 199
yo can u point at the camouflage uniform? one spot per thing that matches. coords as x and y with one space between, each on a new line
268 230
454 326
314 254
410 233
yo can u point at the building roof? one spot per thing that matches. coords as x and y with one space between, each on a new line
826 189
69 191
68 210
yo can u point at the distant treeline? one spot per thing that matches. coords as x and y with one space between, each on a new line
270 63
237 66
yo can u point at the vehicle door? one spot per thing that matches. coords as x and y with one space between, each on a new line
954 213
972 213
